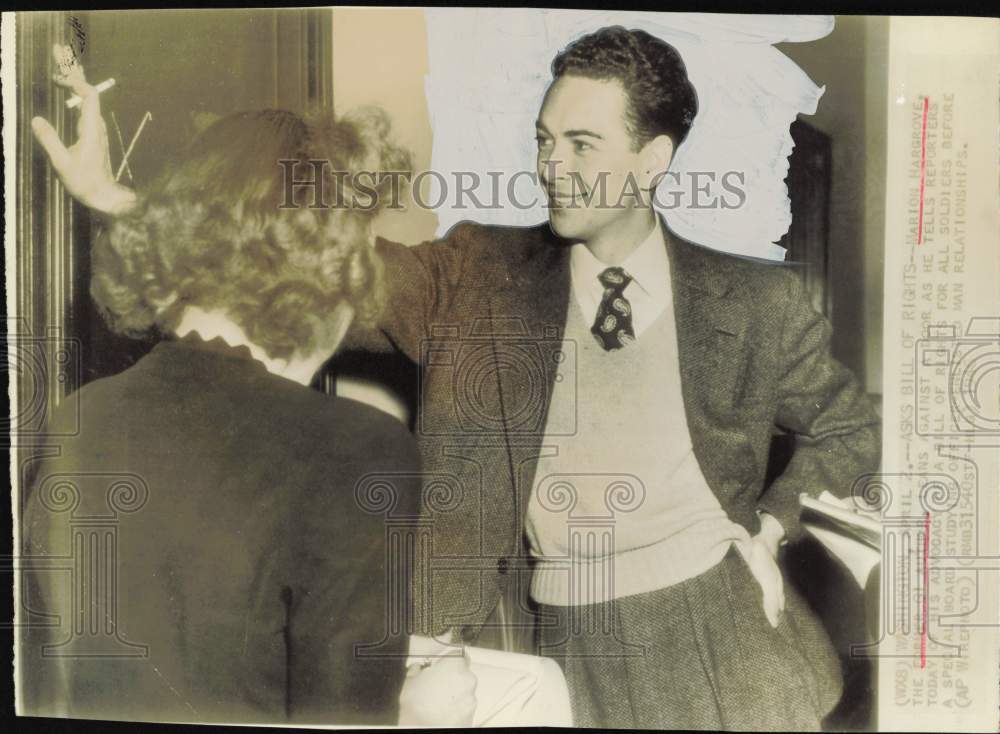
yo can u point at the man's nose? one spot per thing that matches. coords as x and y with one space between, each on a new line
552 169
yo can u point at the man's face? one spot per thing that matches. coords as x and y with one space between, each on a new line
583 141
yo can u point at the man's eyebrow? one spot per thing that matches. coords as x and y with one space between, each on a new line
582 134
570 133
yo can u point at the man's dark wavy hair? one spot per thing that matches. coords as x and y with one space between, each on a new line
661 99
213 231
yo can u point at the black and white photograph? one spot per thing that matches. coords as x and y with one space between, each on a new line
475 367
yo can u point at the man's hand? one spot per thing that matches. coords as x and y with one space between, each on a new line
761 556
85 167
443 695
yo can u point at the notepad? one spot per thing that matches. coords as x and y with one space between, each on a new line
853 538
847 521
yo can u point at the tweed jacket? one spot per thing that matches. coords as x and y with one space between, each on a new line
482 313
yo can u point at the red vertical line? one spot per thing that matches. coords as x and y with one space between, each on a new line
923 171
923 626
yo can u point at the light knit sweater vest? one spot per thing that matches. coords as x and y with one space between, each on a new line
621 507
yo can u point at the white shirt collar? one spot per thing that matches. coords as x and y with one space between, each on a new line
649 265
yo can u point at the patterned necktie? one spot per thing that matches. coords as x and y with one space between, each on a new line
613 326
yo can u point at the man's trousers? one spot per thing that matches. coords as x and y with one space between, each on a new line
696 655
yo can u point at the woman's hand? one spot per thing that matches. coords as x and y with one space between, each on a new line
85 167
442 695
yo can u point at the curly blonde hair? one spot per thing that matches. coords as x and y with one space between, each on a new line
216 231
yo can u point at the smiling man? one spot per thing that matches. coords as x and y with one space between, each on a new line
597 402
608 391
596 174
675 616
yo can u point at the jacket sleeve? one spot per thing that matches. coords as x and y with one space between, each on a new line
837 431
419 281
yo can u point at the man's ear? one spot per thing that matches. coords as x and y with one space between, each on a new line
655 157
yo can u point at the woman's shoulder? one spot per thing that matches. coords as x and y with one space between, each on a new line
358 451
369 422
361 429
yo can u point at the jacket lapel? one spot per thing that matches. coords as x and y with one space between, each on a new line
712 335
535 304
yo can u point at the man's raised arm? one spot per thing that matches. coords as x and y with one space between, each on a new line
419 280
